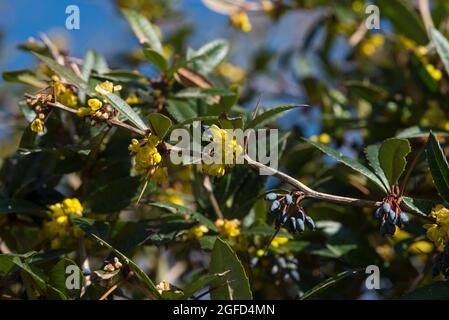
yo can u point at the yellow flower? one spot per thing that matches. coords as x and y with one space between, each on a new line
420 247
267 5
438 232
106 87
62 220
83 112
370 45
72 207
279 241
64 95
37 125
240 20
323 138
148 158
231 72
435 73
197 232
171 196
229 228
133 99
160 175
260 252
217 170
357 6
94 104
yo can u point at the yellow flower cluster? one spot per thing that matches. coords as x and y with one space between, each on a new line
438 232
278 241
148 158
197 232
60 229
37 125
133 99
240 20
171 196
64 95
435 116
228 228
96 105
370 44
229 150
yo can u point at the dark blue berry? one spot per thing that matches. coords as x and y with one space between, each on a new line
295 275
292 224
271 196
392 216
275 205
274 269
288 199
403 218
378 213
310 223
299 224
282 263
386 207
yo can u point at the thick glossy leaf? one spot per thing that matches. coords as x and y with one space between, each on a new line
184 210
367 91
404 19
421 206
24 76
334 251
157 59
180 110
419 132
372 155
328 283
270 114
438 166
160 124
124 108
201 93
143 29
58 278
224 259
66 73
209 56
442 46
98 228
353 164
392 158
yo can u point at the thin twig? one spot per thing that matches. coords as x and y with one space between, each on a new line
425 15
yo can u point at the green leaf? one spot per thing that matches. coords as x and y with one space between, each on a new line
6 264
58 278
66 73
160 124
200 93
24 76
269 114
156 58
180 110
392 158
367 91
442 46
98 228
334 251
202 282
404 19
421 206
209 56
372 155
143 29
184 210
328 283
124 108
132 265
112 196
419 132
224 259
353 164
435 291
438 166
88 65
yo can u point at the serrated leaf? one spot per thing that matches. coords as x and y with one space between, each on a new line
143 29
392 158
269 114
438 166
184 210
209 56
372 155
160 124
442 46
157 59
120 105
421 206
224 259
353 164
66 73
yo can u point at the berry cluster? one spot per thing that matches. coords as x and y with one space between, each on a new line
286 212
284 268
390 214
441 263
